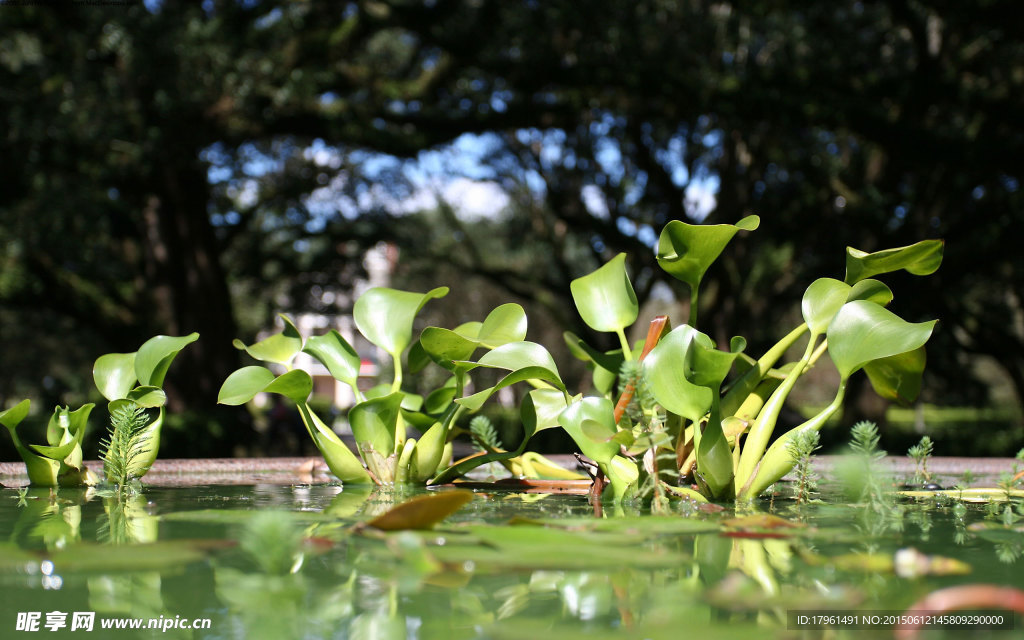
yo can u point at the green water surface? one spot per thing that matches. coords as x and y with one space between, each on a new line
272 561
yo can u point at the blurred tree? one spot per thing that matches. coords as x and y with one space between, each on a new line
174 166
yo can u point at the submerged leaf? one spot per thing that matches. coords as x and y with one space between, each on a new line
422 512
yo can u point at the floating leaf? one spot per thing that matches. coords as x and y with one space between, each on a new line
385 316
921 259
337 355
605 298
422 512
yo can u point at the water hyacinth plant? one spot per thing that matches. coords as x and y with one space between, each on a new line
126 380
385 453
721 407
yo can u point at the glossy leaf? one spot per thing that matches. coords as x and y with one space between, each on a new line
279 348
863 331
872 291
243 385
505 324
339 458
12 417
686 251
921 259
605 298
477 400
446 347
385 316
374 423
148 397
428 453
114 374
541 409
898 377
663 371
822 301
422 512
520 355
335 353
154 357
599 415
707 367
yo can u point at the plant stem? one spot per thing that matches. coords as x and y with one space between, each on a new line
777 462
761 431
694 289
627 351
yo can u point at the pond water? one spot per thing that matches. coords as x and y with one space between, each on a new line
285 561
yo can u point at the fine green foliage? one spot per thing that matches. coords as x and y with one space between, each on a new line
124 445
869 485
801 449
484 433
920 453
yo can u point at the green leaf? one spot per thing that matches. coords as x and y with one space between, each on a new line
446 347
65 432
279 348
686 251
428 453
664 372
114 374
374 423
898 377
335 353
385 316
520 355
243 385
540 410
706 366
148 397
822 301
12 417
599 416
505 324
477 400
439 399
605 298
339 458
863 331
921 259
154 357
872 291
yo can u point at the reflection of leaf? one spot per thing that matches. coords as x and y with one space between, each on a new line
422 512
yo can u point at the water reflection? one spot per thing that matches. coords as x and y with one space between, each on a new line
280 562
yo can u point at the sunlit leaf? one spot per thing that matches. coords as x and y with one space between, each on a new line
374 422
921 259
422 512
148 397
279 348
599 413
385 316
822 301
154 357
12 417
663 371
605 298
114 374
863 331
505 324
337 355
243 385
686 251
541 408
